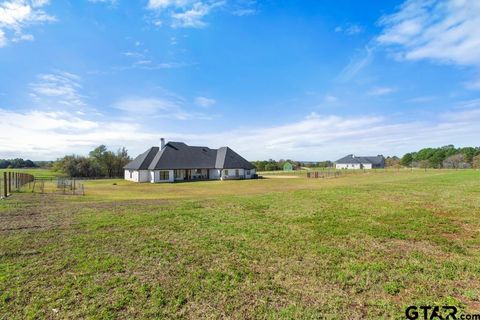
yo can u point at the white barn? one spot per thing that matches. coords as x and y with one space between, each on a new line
356 162
176 161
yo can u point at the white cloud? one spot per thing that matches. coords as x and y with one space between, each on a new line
17 15
353 29
204 101
473 85
330 99
60 88
443 31
55 134
422 99
329 137
162 4
183 13
133 54
314 137
244 12
3 39
357 64
168 106
140 58
349 29
381 91
110 2
193 17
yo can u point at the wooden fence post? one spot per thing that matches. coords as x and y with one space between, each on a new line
5 184
9 182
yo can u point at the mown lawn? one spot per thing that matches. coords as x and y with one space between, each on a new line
359 246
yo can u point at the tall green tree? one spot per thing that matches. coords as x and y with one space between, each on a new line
406 160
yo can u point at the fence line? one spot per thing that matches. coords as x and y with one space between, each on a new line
323 174
11 182
15 181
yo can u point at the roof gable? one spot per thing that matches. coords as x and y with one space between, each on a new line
178 155
142 161
229 159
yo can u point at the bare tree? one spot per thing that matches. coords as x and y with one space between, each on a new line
476 162
457 161
423 164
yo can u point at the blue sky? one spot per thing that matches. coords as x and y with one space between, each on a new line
307 80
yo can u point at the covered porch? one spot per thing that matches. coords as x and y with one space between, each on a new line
191 174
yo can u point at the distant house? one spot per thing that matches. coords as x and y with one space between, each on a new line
287 166
356 162
176 161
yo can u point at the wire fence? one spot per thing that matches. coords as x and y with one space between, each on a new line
323 174
11 182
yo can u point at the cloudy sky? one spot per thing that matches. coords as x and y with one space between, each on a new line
308 80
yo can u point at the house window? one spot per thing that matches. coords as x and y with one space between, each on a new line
198 171
248 172
226 172
178 174
164 175
130 171
237 172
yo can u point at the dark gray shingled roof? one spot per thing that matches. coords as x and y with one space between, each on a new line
375 160
143 161
178 155
229 159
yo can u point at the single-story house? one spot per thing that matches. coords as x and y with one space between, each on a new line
356 162
176 161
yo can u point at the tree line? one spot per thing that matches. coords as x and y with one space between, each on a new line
273 165
100 162
17 163
443 157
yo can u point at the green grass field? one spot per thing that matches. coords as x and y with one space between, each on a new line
363 245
